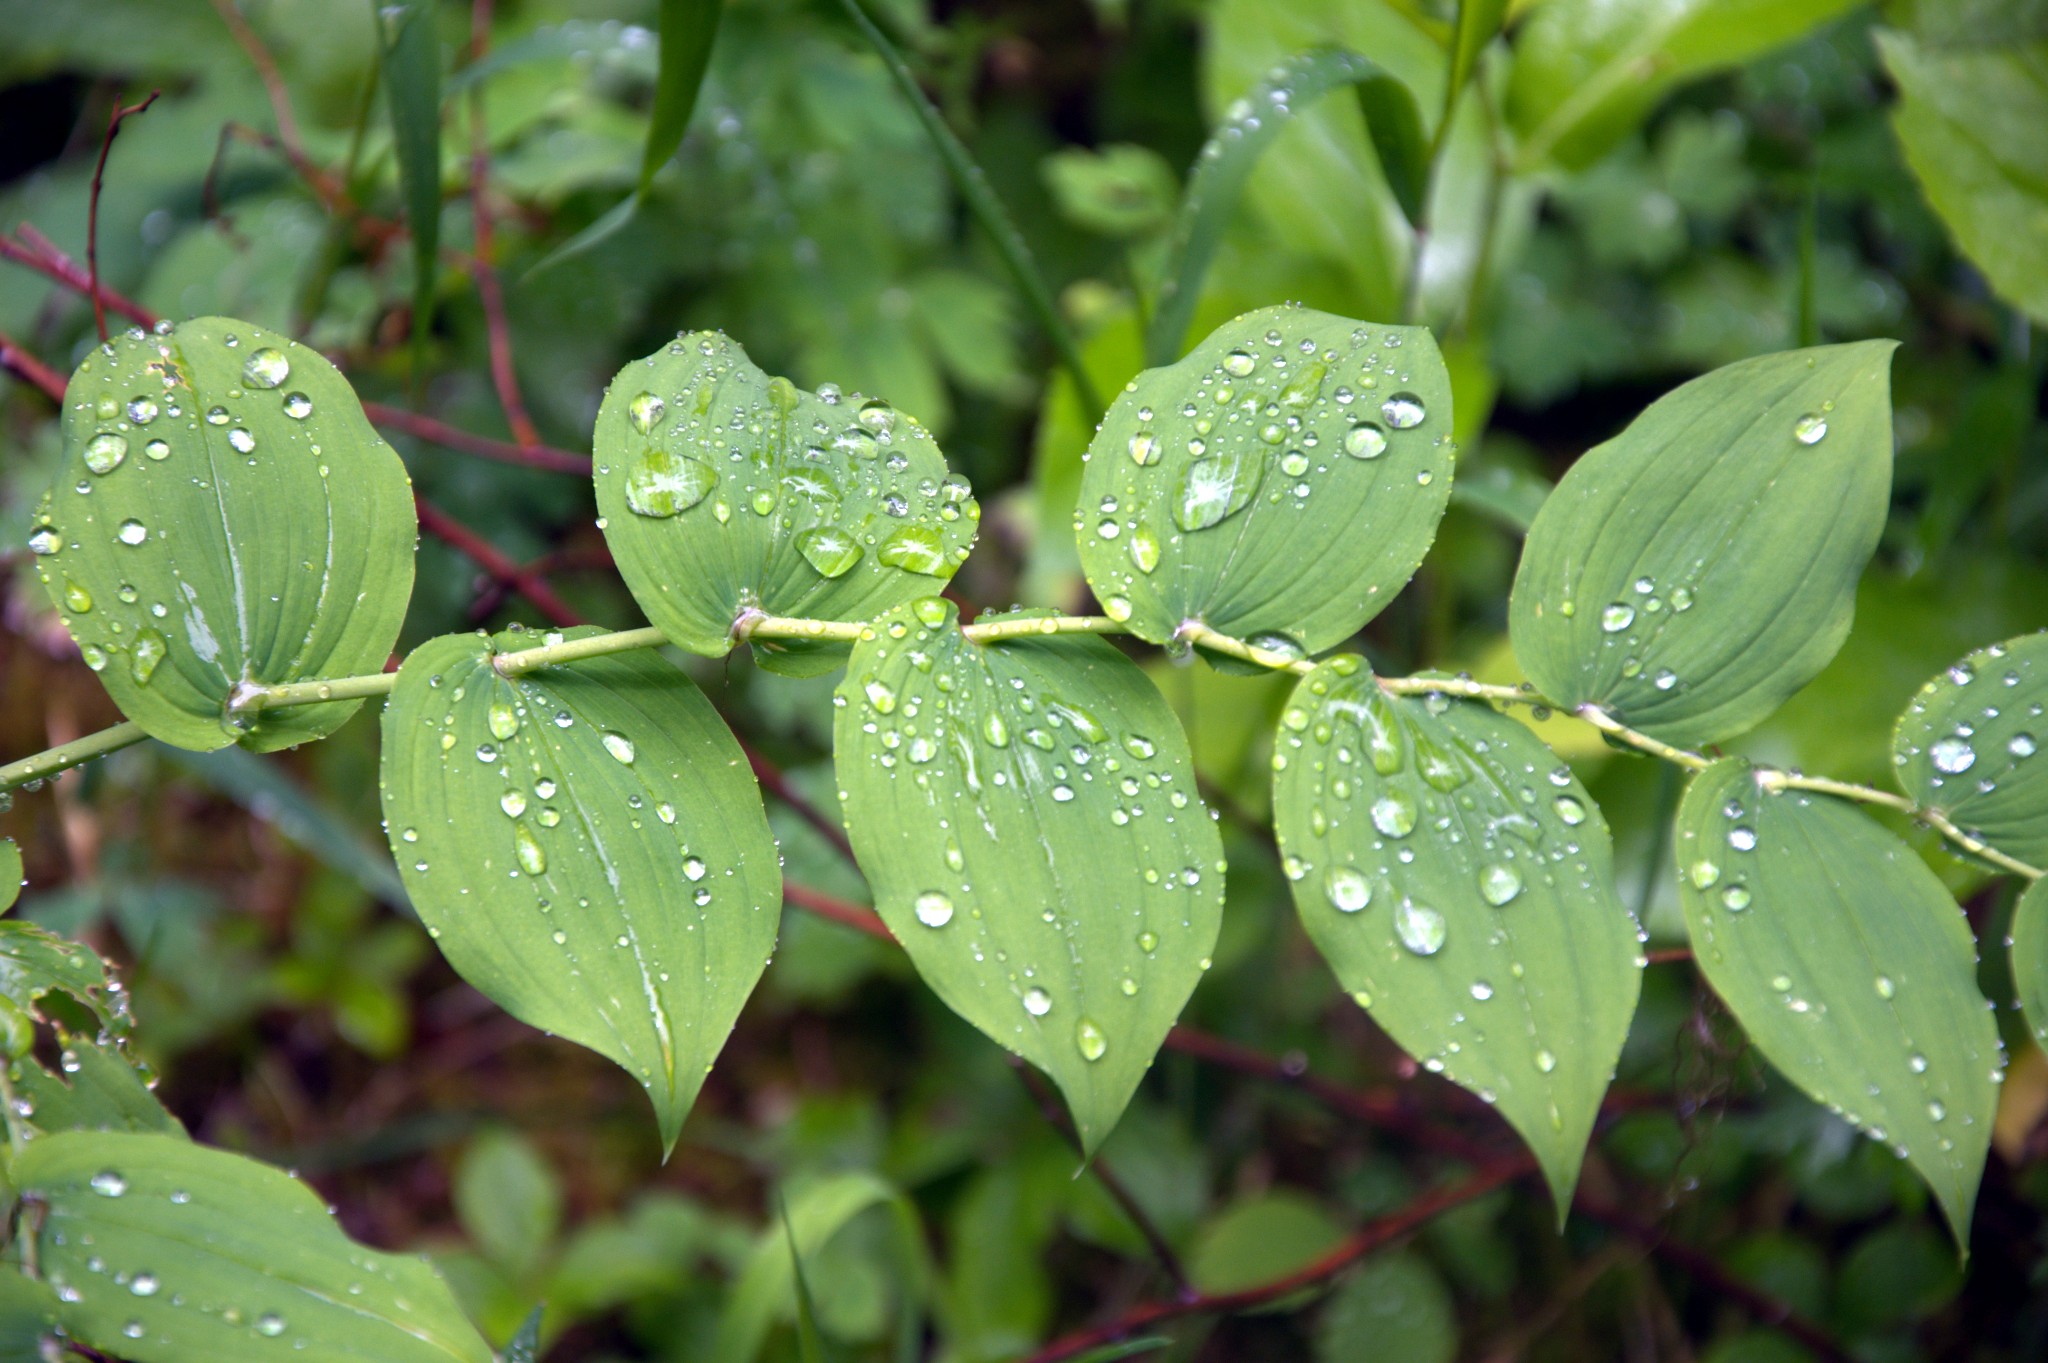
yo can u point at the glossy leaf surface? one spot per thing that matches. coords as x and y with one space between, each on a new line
35 961
1284 479
1460 882
587 846
1968 745
1848 965
162 1251
1025 812
97 1088
723 489
2030 958
224 514
1694 571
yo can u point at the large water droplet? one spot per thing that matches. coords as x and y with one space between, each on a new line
1216 487
662 483
1703 873
934 909
828 549
1420 928
1365 441
1742 838
1617 617
914 549
646 411
146 653
1953 755
270 1325
1037 1002
533 858
142 411
1144 448
1347 888
1144 547
1402 411
108 1183
1090 1040
266 368
1498 885
298 406
132 532
1394 814
1569 810
105 451
45 540
620 747
503 718
1239 363
881 696
1810 429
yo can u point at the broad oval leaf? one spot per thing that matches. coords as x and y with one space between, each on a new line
724 490
2029 947
1694 571
1848 965
587 846
1967 746
1026 814
1460 882
224 515
1280 484
162 1251
35 961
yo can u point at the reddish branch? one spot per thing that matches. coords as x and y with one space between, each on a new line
92 212
27 367
266 70
504 376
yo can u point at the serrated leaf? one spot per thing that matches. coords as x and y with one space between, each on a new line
1460 882
1849 967
1694 571
1968 118
1026 813
2029 950
724 490
224 515
100 1089
1284 479
1225 166
35 961
162 1251
1967 746
587 846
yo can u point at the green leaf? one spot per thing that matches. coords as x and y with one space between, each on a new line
10 874
100 1089
813 1215
172 1252
2029 950
1586 72
1297 498
27 1310
1026 813
724 490
411 46
688 28
224 516
1969 118
509 1201
1847 964
35 961
1122 190
524 1346
1260 1239
1966 745
1694 571
587 846
1395 1307
1226 162
1460 882
1479 23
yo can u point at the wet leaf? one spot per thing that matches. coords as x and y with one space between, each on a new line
97 1088
35 961
1967 746
10 874
2030 958
1233 150
224 514
1694 571
1849 967
587 846
1026 814
1284 479
162 1251
1460 882
723 489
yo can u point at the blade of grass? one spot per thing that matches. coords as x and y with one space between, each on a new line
412 86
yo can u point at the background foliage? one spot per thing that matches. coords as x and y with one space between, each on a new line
1673 187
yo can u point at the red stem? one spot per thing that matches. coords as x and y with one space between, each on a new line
92 212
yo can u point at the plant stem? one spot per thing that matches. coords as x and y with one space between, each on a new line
1029 628
575 650
1933 818
67 755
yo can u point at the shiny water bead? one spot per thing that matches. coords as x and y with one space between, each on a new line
1498 885
1239 363
1403 411
1347 888
298 406
1365 441
620 747
1037 1002
1090 1039
934 909
132 532
1144 448
266 368
1952 755
1617 617
105 452
142 411
1810 429
1742 838
646 411
1421 929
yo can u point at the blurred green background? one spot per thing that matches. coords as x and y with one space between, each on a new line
1634 191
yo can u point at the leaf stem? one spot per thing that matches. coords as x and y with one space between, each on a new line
575 650
67 755
1033 626
1933 818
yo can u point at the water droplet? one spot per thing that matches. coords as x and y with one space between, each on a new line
1037 1002
1735 898
1953 755
298 406
1810 429
533 858
1617 617
1498 885
45 540
132 532
1394 814
1481 990
646 411
663 483
513 802
2021 745
1216 487
881 696
133 1329
270 1325
1239 363
1144 448
1365 441
1420 928
1144 547
1089 1039
266 368
145 1284
1704 873
142 411
1569 810
108 1183
158 450
243 442
503 719
620 747
105 451
1347 888
934 909
1742 838
694 868
914 549
1402 411
1062 794
148 651
1545 1061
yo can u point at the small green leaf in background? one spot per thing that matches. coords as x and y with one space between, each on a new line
1225 167
1479 23
1966 746
587 846
1969 116
1279 484
723 489
1586 72
412 89
1394 1309
99 1089
1394 123
224 515
1694 571
509 1201
1849 966
1026 814
1122 190
2029 950
1264 1237
688 29
524 1346
1460 882
162 1251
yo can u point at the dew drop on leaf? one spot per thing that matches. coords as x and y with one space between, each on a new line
934 909
1420 928
1347 888
266 368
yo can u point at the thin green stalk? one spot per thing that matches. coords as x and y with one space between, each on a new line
575 650
67 755
1030 627
988 210
755 626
